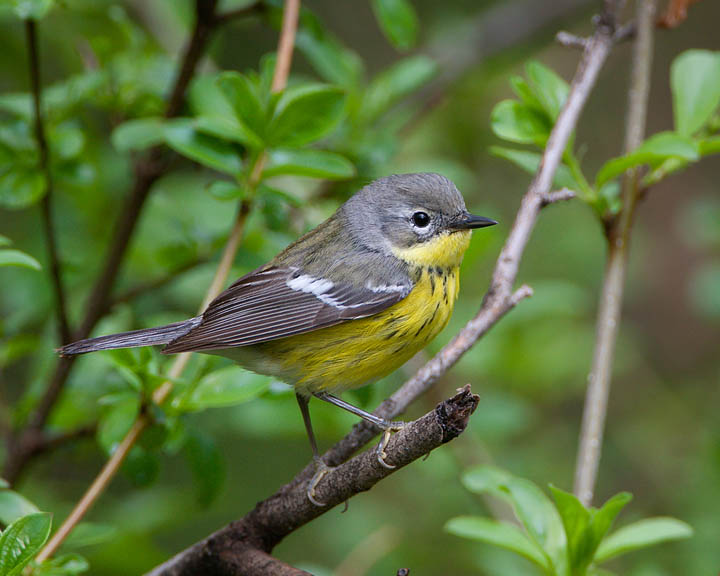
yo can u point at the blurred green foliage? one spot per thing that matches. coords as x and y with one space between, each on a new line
564 538
369 95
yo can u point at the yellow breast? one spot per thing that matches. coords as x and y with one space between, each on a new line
360 351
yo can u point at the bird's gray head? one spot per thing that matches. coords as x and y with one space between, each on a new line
404 210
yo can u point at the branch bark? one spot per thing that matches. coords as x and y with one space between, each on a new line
243 546
44 165
618 236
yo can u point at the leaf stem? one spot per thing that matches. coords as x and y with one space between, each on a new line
586 191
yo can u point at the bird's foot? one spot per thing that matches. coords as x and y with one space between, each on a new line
321 470
389 428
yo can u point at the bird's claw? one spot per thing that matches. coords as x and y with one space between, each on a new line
321 470
380 451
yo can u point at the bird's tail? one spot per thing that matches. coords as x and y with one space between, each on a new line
147 337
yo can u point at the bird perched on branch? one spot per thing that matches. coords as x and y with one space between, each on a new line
346 304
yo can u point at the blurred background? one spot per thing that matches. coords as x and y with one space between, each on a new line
663 433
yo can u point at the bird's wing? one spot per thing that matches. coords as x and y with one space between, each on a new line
276 302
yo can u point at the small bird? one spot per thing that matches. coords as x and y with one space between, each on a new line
345 305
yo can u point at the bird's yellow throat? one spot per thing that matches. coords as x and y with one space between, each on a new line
445 250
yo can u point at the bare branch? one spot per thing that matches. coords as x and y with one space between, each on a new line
44 162
618 232
570 40
562 195
233 550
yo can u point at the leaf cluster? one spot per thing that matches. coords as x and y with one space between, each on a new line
562 537
695 84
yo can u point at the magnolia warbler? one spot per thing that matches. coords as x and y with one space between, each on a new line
346 304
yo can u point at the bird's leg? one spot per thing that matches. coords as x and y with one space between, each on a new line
321 469
387 426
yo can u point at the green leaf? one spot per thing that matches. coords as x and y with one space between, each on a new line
117 419
14 506
223 190
243 96
525 93
66 141
710 146
311 163
695 83
498 534
576 520
141 466
531 506
217 154
550 89
206 98
609 199
226 387
22 540
89 534
396 82
642 534
138 134
17 258
207 466
305 113
4 241
227 129
32 9
398 21
530 162
21 189
516 122
664 169
17 104
585 528
654 151
65 565
331 60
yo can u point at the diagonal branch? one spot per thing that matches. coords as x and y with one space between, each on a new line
243 546
618 236
44 161
501 298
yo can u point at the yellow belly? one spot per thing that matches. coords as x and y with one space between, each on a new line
360 351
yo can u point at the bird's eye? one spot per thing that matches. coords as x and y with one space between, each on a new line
421 219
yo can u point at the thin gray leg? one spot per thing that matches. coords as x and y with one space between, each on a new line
303 403
340 403
321 469
387 426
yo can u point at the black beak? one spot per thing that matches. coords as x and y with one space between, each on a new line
467 221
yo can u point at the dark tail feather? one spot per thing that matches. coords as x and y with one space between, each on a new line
147 337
